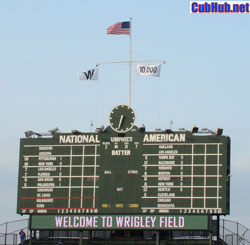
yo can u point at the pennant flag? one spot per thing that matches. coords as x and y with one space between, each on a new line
89 75
148 70
119 28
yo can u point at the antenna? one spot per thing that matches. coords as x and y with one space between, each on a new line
171 123
91 125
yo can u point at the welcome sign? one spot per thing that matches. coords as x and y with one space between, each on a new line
108 222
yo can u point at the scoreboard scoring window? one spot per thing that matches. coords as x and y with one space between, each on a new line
121 170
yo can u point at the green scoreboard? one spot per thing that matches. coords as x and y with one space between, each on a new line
124 170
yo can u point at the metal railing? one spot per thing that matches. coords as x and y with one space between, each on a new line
9 231
234 233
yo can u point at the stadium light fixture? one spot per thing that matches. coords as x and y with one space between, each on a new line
218 131
142 128
76 132
206 130
158 130
182 129
28 133
54 130
194 130
100 129
168 130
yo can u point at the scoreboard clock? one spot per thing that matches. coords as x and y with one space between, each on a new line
122 118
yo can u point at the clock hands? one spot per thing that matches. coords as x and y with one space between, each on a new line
120 122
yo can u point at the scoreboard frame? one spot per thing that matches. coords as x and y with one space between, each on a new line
137 173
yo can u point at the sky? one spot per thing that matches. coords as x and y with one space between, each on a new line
204 82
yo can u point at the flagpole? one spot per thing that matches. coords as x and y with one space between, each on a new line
127 61
130 59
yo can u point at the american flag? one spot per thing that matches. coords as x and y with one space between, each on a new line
119 28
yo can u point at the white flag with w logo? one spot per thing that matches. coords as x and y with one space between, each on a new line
89 74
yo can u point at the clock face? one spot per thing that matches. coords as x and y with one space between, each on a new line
122 118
